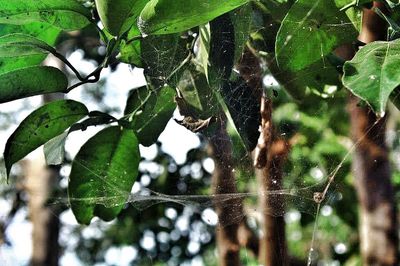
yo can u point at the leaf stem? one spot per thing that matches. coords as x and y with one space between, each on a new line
65 61
96 77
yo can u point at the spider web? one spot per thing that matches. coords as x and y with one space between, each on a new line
302 190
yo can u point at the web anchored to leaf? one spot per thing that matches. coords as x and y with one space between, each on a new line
253 81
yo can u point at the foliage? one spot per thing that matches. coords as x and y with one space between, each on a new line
190 52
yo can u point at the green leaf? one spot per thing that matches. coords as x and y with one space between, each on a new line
372 74
166 16
242 21
197 93
154 116
41 126
310 31
41 31
162 56
137 99
133 18
202 57
103 173
113 14
130 53
31 81
54 149
17 44
64 14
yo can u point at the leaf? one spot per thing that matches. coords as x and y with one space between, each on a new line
372 74
242 21
137 99
64 14
102 174
41 31
165 16
244 110
41 126
17 44
162 56
204 48
197 93
133 18
310 31
130 53
114 13
31 81
232 96
54 149
156 113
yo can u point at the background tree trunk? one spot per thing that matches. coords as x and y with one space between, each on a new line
39 183
269 157
230 212
371 168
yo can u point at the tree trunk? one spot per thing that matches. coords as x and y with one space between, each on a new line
371 168
269 157
378 225
230 212
39 182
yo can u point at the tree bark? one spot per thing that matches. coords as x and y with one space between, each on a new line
230 212
39 181
269 157
371 168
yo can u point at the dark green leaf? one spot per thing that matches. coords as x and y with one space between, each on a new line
41 126
137 99
310 31
64 14
166 16
198 95
154 116
31 81
103 173
242 21
54 149
372 74
162 56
